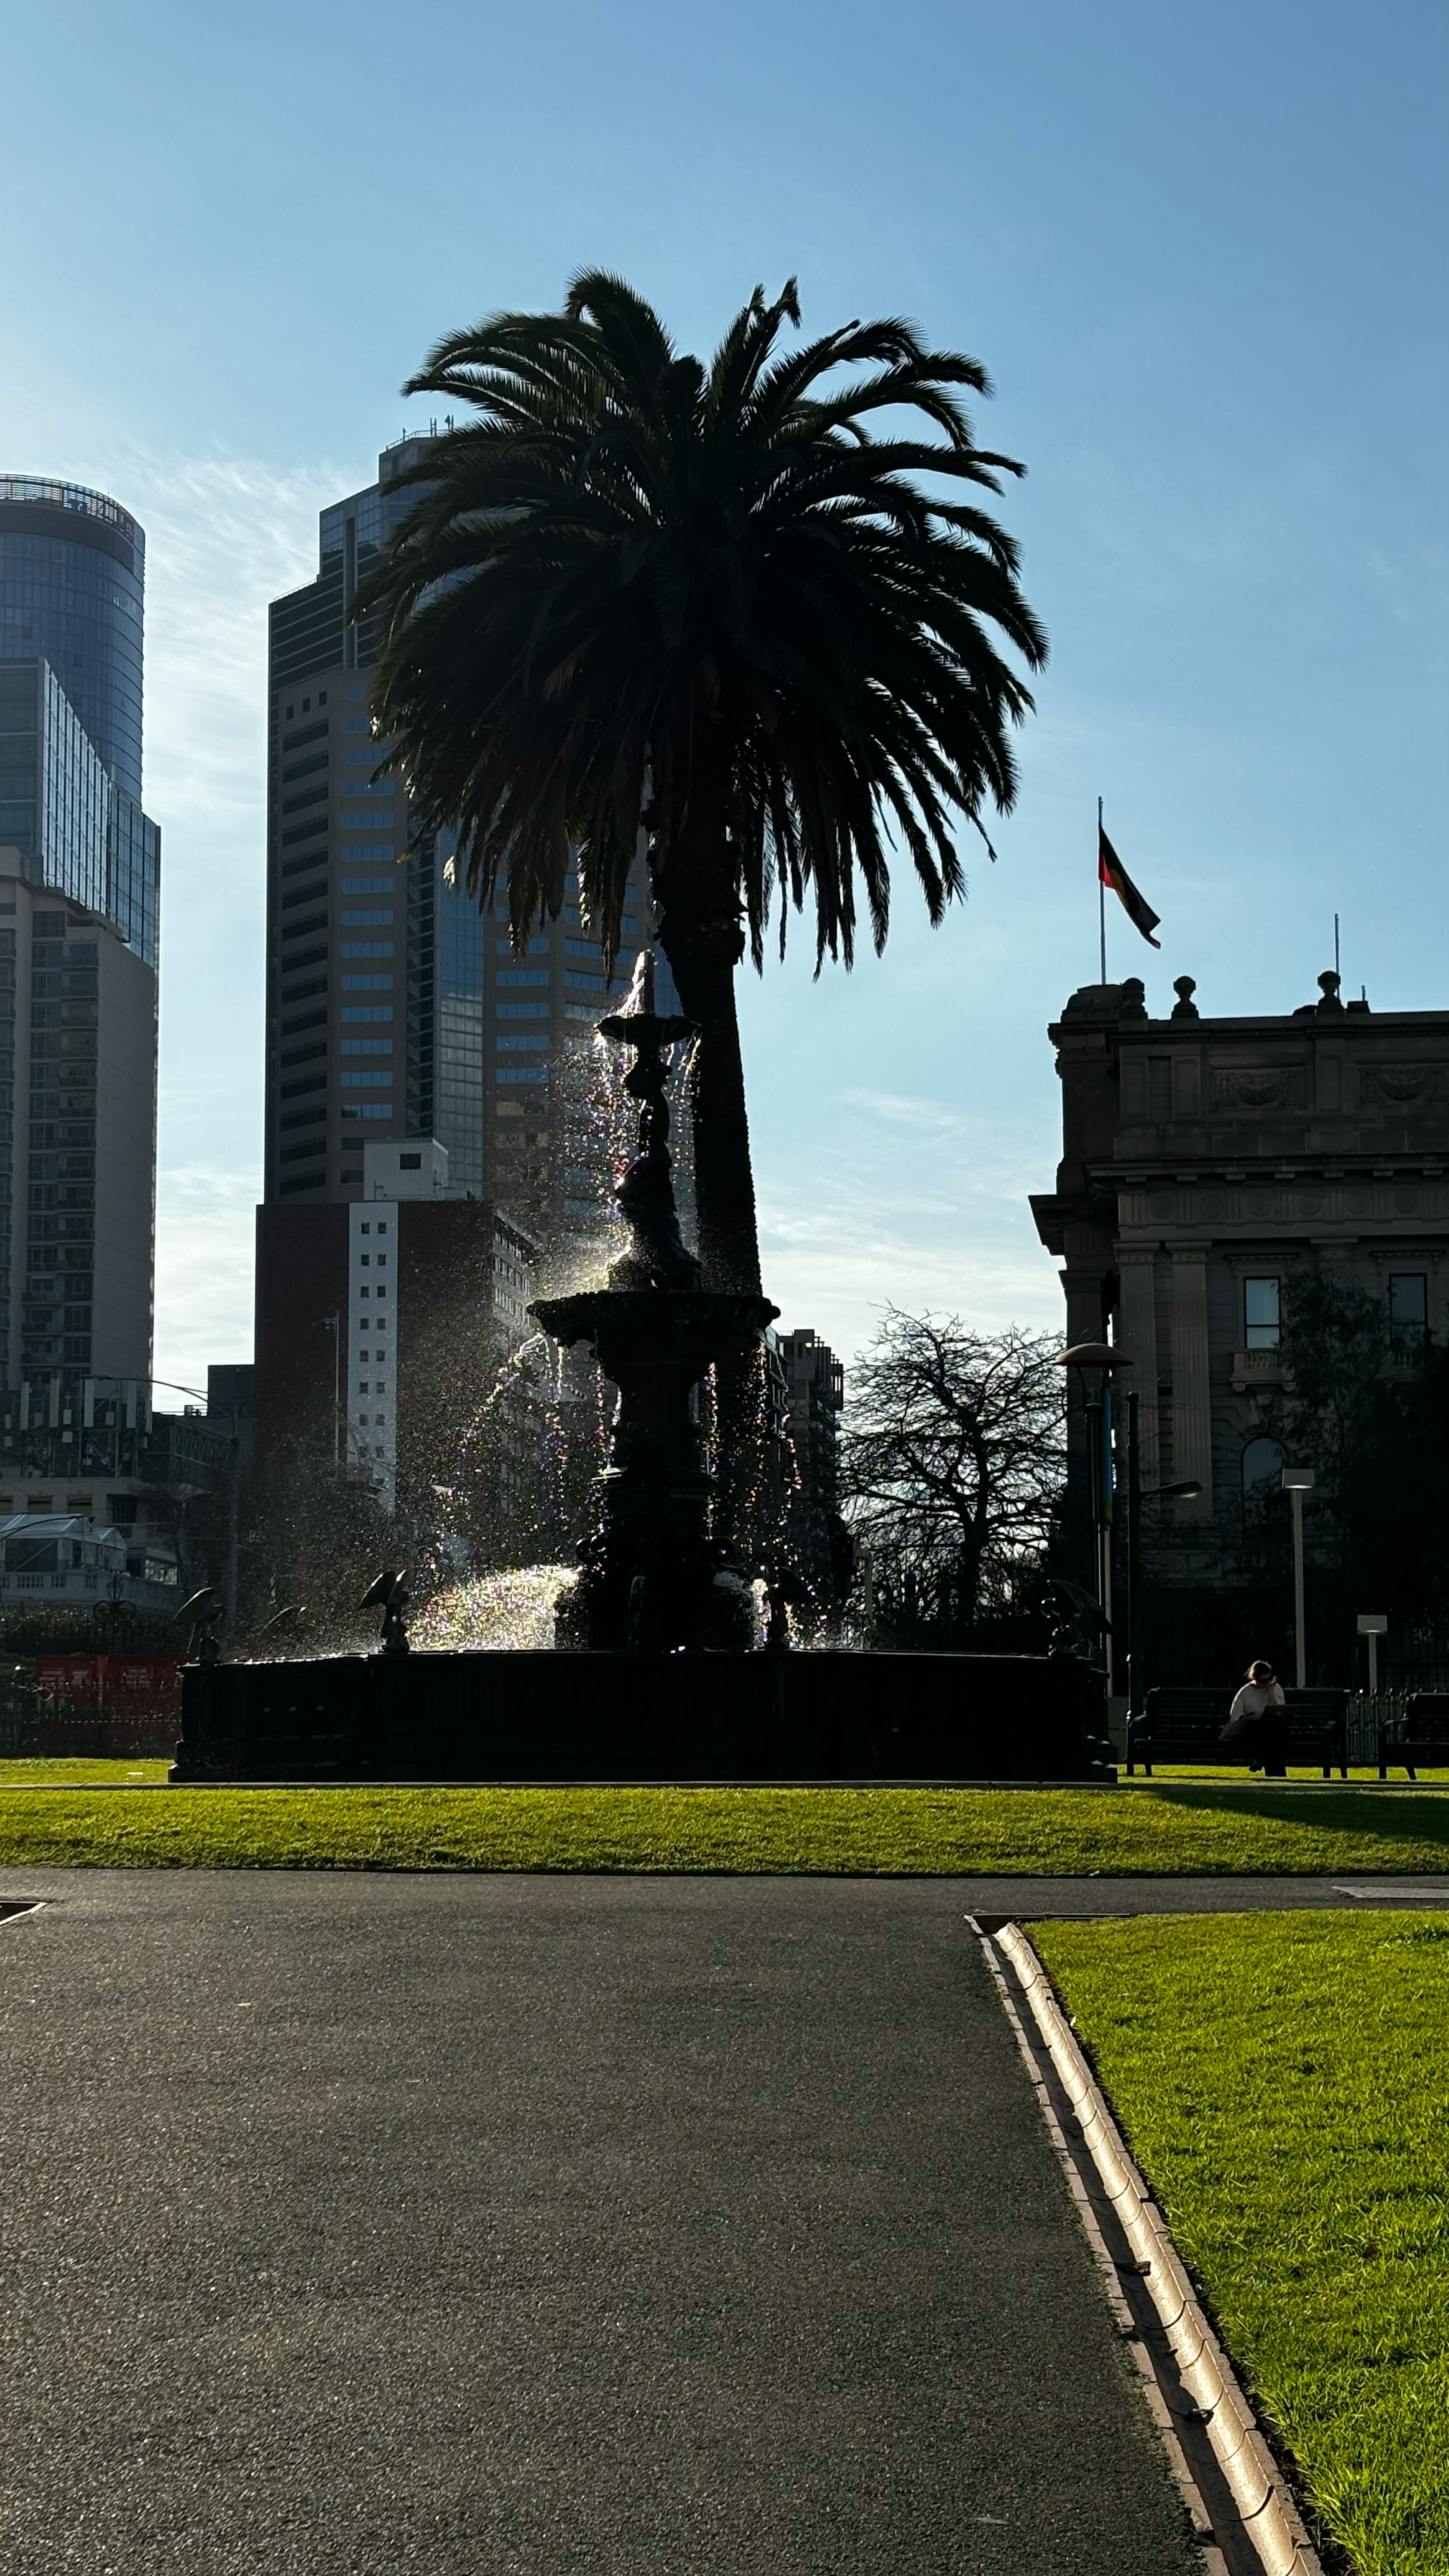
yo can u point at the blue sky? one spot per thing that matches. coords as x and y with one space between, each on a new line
1203 255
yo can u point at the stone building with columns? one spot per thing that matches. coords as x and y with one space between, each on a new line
1204 1161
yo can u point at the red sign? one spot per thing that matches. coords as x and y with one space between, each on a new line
122 1685
76 1678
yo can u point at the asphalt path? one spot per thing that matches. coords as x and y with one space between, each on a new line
529 2226
1027 1900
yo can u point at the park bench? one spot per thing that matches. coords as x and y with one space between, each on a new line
1181 1724
1419 1737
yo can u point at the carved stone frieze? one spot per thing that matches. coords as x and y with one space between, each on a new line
1304 1200
1400 1086
1252 1086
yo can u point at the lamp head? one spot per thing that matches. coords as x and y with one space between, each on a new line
1096 1355
1298 1480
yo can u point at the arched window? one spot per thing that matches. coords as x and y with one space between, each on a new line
1263 1463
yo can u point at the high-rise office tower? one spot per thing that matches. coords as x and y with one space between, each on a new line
393 1009
814 1390
408 1050
72 592
79 878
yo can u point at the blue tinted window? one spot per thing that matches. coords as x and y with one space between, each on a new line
1261 1314
1409 1309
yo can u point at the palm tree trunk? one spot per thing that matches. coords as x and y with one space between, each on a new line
702 958
703 967
701 934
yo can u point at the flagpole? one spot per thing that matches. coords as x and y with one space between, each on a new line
1101 894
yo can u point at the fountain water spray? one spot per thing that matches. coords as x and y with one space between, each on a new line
654 1577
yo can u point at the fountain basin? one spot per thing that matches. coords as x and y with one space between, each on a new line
650 1574
507 1716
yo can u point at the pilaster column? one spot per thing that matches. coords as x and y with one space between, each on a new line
1137 1315
1082 1287
1192 1422
1082 1283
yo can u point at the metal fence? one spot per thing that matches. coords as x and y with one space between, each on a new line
61 1733
1367 1712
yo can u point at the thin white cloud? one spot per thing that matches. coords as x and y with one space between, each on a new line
837 1268
224 536
203 1269
903 1111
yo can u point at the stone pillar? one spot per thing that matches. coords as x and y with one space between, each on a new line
1082 1283
1138 1317
1082 1286
1192 1421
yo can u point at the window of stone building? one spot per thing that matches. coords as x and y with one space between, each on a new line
1263 1463
1262 1314
1409 1309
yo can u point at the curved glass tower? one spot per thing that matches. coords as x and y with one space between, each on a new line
79 880
72 588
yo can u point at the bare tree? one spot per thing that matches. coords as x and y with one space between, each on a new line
953 1458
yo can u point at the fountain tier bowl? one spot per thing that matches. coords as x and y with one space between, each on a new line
650 1576
535 1716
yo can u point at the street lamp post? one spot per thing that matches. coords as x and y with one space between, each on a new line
1184 1492
1298 1481
1134 1558
1101 1359
1373 1625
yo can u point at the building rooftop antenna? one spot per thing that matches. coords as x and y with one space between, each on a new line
1335 943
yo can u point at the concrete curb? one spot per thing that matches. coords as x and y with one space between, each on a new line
1265 2507
1171 2431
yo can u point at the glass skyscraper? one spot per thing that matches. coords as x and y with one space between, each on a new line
79 880
394 1009
78 833
72 600
72 593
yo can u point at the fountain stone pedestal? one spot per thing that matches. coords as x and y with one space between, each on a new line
654 1581
654 1575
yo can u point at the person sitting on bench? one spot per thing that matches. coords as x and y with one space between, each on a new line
1256 1721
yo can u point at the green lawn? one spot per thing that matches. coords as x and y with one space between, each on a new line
1282 2079
1167 1828
80 1771
104 1772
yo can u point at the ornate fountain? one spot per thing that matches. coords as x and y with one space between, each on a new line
656 1582
655 1576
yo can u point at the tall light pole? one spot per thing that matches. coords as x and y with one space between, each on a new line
1186 1491
1101 1359
1298 1481
1373 1625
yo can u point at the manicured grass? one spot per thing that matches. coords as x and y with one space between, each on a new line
1282 2079
859 1832
1240 1777
104 1772
79 1771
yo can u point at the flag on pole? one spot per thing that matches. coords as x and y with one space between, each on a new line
1110 872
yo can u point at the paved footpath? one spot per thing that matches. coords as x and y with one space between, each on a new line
507 2226
553 2227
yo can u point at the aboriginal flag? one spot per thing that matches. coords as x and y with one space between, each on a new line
1110 872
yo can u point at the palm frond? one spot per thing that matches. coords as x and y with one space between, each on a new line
744 583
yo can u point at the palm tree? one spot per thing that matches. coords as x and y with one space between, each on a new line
714 604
